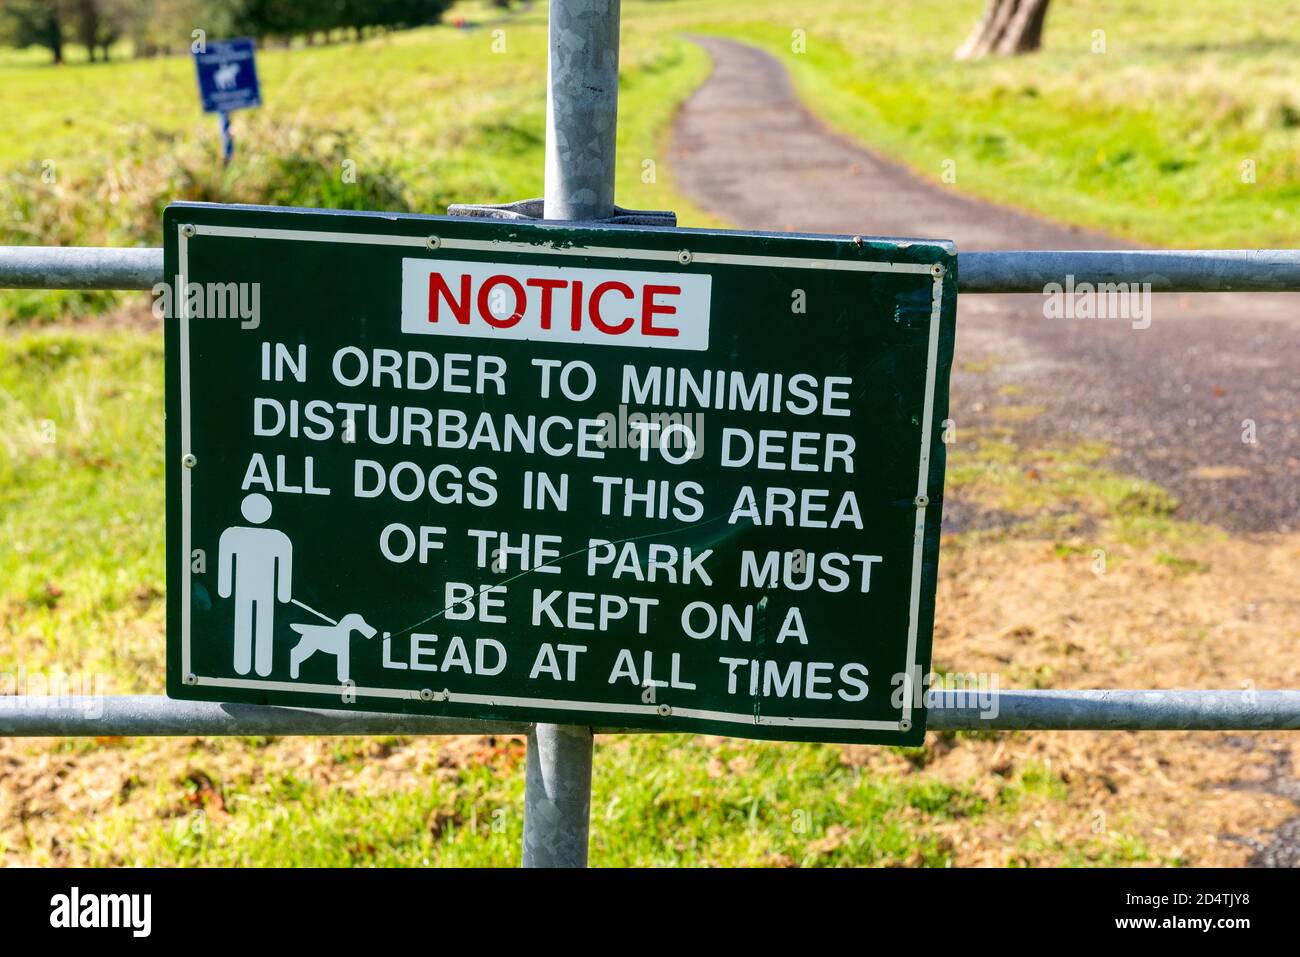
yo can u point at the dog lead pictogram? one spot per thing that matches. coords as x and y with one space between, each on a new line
257 567
333 639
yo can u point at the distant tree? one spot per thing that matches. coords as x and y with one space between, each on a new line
28 23
262 18
96 24
364 16
86 24
116 18
164 26
159 26
1008 27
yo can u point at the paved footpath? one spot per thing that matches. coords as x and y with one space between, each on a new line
1171 399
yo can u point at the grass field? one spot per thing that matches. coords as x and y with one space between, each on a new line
424 118
1137 117
1145 140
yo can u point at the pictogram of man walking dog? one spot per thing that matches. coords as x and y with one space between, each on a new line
256 567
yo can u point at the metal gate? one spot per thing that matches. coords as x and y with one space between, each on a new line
582 108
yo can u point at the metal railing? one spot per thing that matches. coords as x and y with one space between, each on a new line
1020 271
968 710
1181 270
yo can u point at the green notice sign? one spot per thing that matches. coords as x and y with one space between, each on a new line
679 480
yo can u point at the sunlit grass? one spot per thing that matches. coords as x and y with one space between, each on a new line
1169 124
658 800
423 118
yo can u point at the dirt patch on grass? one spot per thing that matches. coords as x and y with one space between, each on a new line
57 793
1042 614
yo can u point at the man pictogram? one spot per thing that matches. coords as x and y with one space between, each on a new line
258 562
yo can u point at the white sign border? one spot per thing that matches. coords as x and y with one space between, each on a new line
187 231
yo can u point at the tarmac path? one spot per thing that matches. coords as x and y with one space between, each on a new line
1173 400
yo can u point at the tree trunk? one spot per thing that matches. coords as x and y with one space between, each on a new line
88 26
1006 28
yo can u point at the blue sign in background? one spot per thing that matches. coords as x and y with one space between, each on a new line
228 76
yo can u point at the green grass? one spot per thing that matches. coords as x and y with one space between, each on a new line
1145 140
1180 565
81 506
92 153
661 800
202 816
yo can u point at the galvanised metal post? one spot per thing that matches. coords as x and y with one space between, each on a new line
581 109
557 796
581 122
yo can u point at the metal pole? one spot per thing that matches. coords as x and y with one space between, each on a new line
79 267
557 796
38 716
581 109
1173 270
581 121
1113 710
1024 270
1119 709
227 141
